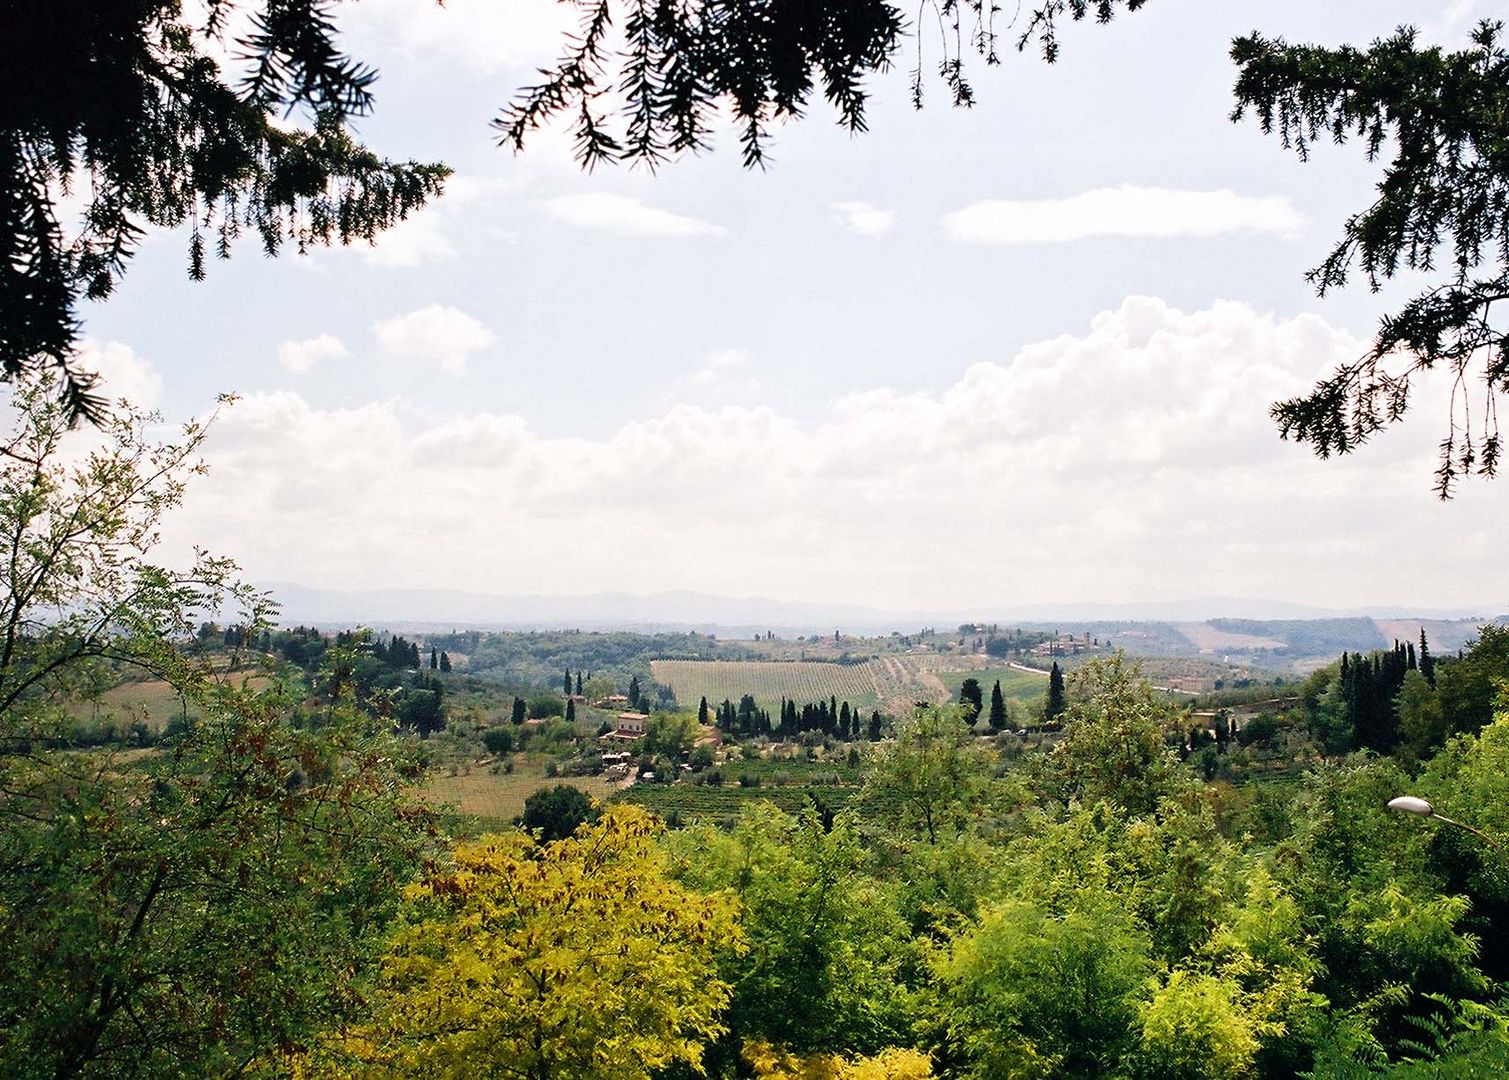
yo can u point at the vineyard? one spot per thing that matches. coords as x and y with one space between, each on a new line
891 683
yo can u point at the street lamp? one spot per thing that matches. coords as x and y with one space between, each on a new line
1411 804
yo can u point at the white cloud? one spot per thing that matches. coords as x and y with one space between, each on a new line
1123 211
419 238
435 334
301 356
122 373
863 218
721 377
717 366
1133 460
624 215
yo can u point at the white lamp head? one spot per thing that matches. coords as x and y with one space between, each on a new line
1409 804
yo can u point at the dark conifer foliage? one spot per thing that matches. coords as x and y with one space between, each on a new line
972 697
1369 686
1443 204
1056 701
833 718
124 100
997 708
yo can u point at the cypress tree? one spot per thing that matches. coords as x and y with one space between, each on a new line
566 683
570 710
1057 702
445 661
997 708
971 698
519 710
702 711
1427 662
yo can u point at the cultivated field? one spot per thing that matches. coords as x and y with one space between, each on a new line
891 683
495 799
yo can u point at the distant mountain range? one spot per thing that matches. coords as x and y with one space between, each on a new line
741 616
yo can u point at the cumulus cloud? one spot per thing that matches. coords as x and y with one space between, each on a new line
624 215
863 218
1132 460
444 336
302 356
1122 211
122 373
420 238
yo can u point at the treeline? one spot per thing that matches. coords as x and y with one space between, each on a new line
831 718
1405 701
537 658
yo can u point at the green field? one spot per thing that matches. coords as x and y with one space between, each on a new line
495 799
151 702
1023 686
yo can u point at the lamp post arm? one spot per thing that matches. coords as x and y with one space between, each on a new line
1479 833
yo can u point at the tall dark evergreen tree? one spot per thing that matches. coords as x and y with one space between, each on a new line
434 660
702 711
566 683
570 710
997 708
1427 662
445 661
520 710
634 691
1057 701
971 697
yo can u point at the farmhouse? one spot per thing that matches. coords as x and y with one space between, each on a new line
630 727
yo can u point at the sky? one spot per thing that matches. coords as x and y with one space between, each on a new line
971 359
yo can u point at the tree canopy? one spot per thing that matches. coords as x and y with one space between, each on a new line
214 900
579 959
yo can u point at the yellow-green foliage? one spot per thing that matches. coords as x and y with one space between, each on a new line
578 959
896 1063
1193 1027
